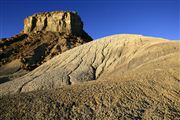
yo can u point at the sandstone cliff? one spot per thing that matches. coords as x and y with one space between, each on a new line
62 22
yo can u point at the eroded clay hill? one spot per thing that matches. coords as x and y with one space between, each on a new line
45 35
107 58
116 77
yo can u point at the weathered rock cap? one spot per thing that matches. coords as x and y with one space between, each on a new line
58 21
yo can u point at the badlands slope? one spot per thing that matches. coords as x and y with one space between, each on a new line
116 77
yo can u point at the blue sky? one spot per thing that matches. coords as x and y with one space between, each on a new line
158 18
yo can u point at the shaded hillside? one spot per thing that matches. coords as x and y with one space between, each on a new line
35 48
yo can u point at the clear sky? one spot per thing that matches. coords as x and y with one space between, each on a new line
158 18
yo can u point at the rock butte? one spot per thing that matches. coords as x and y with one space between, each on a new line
45 35
63 22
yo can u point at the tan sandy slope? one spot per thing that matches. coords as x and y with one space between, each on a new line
116 77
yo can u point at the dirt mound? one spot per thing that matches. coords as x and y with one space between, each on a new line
94 60
116 77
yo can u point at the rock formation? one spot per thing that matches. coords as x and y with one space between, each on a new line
62 22
45 35
117 77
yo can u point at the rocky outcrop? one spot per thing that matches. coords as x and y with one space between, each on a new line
45 35
63 22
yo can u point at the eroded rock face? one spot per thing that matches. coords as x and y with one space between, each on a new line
63 22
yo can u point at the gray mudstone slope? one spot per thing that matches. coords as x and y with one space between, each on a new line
105 58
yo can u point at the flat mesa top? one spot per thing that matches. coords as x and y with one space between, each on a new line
54 12
56 21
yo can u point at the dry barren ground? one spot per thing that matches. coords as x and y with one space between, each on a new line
117 77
